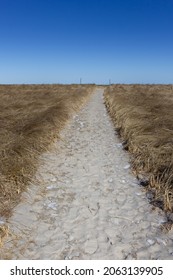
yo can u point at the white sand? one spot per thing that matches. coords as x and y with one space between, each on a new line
87 204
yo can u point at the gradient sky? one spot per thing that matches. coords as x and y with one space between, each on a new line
61 41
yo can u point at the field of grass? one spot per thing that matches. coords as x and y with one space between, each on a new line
143 116
31 117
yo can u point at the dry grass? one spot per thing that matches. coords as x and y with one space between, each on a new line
31 117
4 233
143 115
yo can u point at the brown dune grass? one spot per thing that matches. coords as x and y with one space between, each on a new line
143 115
31 117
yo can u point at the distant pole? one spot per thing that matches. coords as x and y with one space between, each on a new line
109 81
80 80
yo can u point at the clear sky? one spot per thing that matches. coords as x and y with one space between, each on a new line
61 41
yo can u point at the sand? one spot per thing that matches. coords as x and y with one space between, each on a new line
86 203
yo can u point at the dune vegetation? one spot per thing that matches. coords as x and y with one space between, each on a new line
143 116
31 117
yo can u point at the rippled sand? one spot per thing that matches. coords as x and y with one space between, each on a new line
87 204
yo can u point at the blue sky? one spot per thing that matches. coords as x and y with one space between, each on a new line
61 41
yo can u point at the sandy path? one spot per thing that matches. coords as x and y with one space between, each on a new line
89 205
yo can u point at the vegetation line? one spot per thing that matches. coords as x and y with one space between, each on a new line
31 117
143 116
